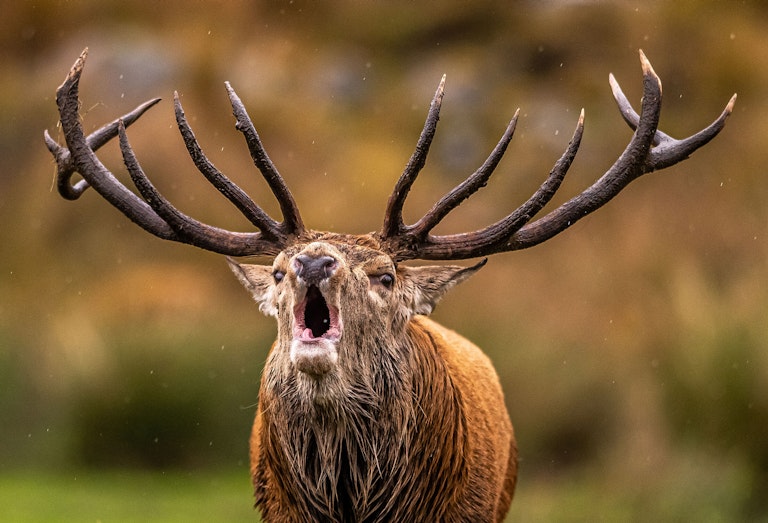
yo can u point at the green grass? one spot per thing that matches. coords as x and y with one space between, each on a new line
212 496
126 497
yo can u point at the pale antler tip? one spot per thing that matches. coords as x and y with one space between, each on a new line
440 88
74 73
177 104
731 103
615 87
52 145
648 69
80 62
646 64
581 117
513 122
231 93
437 100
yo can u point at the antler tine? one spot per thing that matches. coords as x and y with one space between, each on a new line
666 146
393 216
65 166
512 233
188 229
292 223
467 188
254 213
671 151
628 112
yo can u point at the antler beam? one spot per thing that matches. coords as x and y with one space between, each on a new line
649 150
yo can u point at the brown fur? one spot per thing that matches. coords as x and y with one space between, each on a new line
369 411
408 425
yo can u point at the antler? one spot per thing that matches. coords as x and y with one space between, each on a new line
155 214
649 150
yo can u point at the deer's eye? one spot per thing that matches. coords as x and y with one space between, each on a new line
278 276
387 280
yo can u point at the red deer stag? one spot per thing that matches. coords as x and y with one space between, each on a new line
368 410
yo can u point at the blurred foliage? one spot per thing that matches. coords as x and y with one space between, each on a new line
167 403
127 496
632 348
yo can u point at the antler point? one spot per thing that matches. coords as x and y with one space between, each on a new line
53 147
440 90
646 65
80 62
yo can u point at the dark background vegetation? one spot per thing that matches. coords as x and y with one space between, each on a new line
632 348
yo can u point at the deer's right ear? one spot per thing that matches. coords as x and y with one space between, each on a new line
259 281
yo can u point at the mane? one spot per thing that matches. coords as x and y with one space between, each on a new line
362 458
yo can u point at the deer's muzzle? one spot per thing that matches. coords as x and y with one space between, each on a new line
316 322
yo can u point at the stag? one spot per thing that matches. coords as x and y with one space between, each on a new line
368 410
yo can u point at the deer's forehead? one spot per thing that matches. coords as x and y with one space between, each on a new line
354 251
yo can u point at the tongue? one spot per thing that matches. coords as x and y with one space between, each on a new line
307 334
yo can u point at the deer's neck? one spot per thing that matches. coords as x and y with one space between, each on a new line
349 459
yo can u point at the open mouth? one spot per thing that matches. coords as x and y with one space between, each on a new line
315 319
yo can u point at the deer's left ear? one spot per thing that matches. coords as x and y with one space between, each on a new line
259 281
430 283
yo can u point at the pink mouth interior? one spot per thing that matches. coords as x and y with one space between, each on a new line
314 319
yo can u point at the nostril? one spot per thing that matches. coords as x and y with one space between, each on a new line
329 266
315 269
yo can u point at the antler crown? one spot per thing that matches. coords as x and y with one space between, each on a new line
649 149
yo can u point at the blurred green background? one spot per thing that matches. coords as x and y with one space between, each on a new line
632 348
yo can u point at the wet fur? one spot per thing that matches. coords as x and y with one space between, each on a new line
412 425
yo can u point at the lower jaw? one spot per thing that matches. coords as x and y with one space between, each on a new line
315 358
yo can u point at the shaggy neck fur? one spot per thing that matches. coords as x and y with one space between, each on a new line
362 455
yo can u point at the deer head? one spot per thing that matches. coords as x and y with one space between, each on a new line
345 304
342 304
